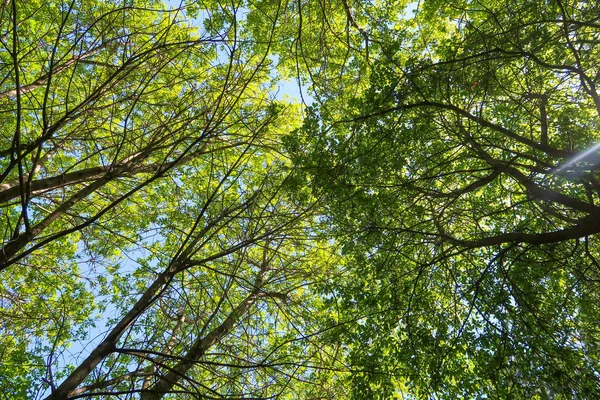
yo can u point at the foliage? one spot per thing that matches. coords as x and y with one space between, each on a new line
461 181
144 192
425 228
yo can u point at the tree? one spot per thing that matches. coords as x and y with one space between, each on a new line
425 228
463 180
143 189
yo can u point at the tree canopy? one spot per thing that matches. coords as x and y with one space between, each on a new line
421 223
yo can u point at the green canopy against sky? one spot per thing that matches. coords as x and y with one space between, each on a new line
299 199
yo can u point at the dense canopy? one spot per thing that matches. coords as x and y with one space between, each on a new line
303 199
